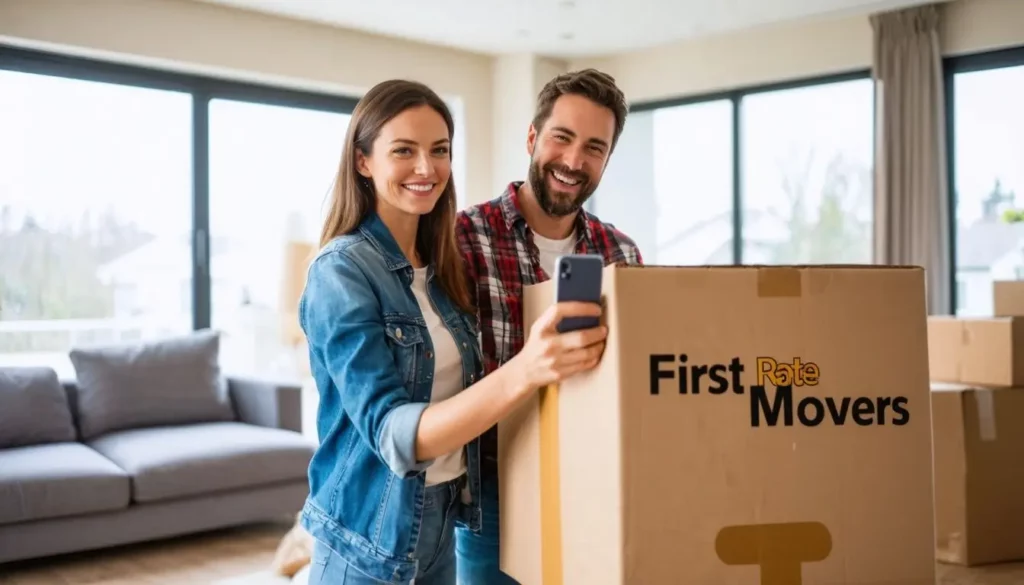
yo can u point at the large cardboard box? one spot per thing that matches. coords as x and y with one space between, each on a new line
987 351
979 444
747 425
1008 298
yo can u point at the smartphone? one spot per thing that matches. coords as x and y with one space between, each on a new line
578 278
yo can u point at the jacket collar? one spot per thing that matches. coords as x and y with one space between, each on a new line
380 237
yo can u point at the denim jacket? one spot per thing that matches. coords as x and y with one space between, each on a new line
372 360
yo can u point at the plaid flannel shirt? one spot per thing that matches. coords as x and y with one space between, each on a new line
501 259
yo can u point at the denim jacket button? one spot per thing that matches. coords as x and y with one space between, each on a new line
398 332
430 355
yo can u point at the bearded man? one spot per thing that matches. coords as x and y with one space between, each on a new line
513 241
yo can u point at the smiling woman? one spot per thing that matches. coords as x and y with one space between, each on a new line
410 167
393 344
400 168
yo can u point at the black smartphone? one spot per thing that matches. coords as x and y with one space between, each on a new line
578 278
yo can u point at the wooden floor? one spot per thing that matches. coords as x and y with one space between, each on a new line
192 560
198 560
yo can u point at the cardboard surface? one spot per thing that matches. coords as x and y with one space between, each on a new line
747 425
1008 298
979 444
987 351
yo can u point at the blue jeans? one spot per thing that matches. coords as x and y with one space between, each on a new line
435 549
478 558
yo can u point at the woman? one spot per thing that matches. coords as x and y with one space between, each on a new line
393 350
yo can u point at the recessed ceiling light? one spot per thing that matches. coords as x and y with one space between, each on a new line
568 36
567 4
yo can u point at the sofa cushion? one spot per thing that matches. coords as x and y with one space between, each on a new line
34 408
171 381
189 460
58 479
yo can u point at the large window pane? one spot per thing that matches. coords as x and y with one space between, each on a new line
989 155
806 172
271 170
95 216
669 184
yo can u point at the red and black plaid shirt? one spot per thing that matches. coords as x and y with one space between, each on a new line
501 259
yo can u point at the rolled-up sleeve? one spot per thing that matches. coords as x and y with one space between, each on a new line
398 438
343 322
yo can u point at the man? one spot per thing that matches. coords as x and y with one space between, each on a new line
513 241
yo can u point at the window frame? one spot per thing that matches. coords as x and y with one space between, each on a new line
203 89
952 66
736 96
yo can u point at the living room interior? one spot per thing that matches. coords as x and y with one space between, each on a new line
166 168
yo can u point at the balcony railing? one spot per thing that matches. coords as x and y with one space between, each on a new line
46 342
63 334
247 346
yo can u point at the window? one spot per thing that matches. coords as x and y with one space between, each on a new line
961 295
777 175
121 185
95 215
806 172
271 170
987 150
668 184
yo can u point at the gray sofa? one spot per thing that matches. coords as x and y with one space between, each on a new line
150 441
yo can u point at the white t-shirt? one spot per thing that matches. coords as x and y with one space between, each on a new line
550 250
447 377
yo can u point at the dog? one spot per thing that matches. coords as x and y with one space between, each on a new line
294 552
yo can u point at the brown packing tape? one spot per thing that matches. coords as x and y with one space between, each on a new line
780 550
779 282
550 481
550 489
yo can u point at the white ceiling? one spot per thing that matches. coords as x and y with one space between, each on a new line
556 28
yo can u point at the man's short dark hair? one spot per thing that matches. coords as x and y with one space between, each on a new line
597 86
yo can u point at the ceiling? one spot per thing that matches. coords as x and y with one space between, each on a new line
556 28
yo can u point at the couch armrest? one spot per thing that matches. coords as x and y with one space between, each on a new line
267 403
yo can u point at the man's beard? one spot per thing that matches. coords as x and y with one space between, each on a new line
558 204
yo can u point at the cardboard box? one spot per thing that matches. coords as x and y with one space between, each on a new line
986 351
1008 298
979 444
741 415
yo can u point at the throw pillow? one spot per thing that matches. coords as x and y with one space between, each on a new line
33 408
170 381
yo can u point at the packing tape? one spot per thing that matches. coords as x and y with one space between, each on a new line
779 550
985 402
550 489
779 282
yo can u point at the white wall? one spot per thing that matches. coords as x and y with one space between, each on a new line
517 81
794 51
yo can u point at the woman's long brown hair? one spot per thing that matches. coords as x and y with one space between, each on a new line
352 199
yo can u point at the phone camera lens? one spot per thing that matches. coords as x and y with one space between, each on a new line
566 271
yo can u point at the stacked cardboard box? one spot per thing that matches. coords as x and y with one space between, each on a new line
977 370
747 425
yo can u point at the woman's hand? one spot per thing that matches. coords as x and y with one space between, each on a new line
548 356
